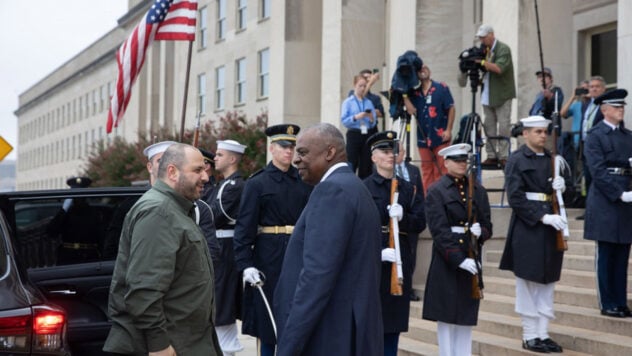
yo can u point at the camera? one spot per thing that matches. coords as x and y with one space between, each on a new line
376 70
581 91
405 76
468 58
368 111
404 80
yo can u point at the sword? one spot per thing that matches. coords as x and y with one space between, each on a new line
258 285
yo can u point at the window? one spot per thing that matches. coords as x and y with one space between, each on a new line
221 19
220 77
265 9
201 86
95 221
94 102
242 15
240 67
101 97
203 28
603 55
264 76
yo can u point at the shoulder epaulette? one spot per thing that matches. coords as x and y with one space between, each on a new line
256 173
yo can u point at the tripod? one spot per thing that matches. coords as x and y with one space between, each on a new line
472 127
403 134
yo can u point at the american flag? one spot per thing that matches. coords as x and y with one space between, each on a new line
165 20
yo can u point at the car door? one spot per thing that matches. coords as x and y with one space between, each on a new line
68 242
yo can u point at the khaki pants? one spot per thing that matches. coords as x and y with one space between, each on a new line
497 122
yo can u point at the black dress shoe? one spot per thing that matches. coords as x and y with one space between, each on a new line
535 345
626 311
414 297
551 345
581 217
614 312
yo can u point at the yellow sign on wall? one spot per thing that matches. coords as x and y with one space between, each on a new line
5 148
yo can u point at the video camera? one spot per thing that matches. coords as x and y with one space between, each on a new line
404 80
468 58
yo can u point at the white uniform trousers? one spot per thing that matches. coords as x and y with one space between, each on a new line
534 303
228 341
454 340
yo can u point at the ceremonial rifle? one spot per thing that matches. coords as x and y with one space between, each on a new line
196 133
397 275
474 247
557 201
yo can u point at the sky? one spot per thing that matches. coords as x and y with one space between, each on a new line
37 37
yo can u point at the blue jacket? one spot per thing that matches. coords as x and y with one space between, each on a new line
327 298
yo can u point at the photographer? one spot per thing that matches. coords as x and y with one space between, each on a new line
573 108
371 78
499 89
433 106
358 116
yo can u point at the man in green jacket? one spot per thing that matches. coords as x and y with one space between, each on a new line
499 88
162 292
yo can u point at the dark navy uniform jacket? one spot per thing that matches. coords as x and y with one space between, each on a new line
448 291
228 283
395 309
530 250
271 197
327 300
607 217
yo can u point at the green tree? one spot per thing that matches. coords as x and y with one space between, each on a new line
120 163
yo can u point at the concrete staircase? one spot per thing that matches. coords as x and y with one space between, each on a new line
579 327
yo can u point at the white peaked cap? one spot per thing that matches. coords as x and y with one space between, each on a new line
458 149
158 147
231 145
535 121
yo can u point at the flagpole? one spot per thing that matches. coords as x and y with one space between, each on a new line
186 91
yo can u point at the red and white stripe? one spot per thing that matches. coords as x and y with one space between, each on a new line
179 24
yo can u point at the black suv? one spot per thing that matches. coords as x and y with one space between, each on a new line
57 254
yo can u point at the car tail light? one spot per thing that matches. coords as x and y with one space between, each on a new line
49 327
15 330
37 329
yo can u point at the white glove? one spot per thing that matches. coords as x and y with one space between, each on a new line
388 255
630 160
476 229
559 184
469 265
396 211
558 222
251 275
626 197
67 204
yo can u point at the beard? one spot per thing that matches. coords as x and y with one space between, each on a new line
187 189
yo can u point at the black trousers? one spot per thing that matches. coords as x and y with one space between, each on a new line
612 274
358 152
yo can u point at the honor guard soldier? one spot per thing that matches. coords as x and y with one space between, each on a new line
224 202
78 226
531 251
608 151
409 210
271 203
209 164
449 297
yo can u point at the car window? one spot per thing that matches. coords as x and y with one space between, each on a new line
4 253
57 231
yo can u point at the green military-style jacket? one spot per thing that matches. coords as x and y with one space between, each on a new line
502 87
162 290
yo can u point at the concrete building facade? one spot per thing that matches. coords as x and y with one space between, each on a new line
295 59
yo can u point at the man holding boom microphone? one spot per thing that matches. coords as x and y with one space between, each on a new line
409 210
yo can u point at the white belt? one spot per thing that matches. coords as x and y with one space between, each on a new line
458 229
223 234
538 196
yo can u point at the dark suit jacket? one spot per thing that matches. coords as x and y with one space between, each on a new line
327 298
415 177
598 116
